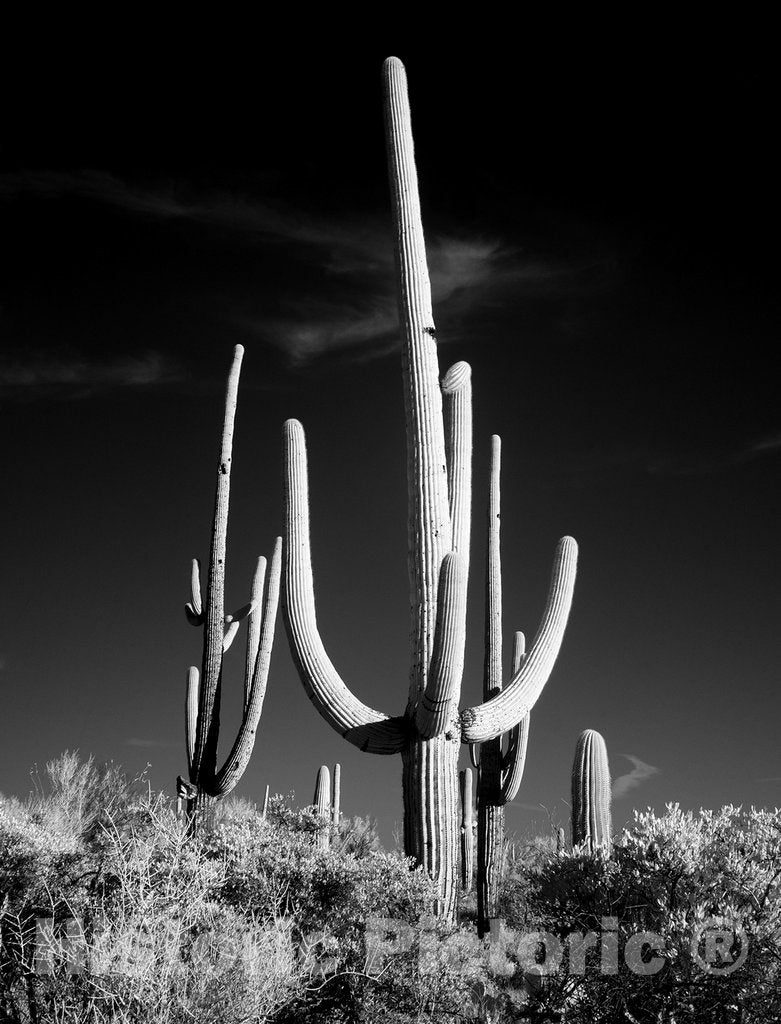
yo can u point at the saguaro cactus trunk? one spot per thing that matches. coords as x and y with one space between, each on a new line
591 821
500 768
439 433
467 830
202 710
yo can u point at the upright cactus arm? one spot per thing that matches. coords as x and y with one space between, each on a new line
492 673
467 830
254 626
501 713
208 710
514 759
457 414
438 708
191 720
361 725
237 760
194 609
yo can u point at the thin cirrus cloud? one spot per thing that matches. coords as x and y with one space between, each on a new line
78 376
639 774
676 463
350 306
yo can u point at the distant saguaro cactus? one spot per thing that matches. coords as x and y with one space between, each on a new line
500 771
439 431
322 803
561 841
336 802
591 822
202 713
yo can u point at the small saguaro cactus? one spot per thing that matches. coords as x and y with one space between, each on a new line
322 804
561 840
439 442
591 824
336 800
467 830
202 715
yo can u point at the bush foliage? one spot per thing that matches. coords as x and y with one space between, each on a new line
111 911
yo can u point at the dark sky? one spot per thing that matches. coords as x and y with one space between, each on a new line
602 229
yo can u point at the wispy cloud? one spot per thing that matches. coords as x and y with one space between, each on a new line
351 306
691 462
77 377
639 774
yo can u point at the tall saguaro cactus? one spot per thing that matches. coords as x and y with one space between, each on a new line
428 733
500 771
202 717
591 822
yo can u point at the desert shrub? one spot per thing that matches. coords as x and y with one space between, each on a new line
79 797
676 875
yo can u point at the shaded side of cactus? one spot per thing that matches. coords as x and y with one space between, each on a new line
467 830
322 803
591 820
439 429
202 706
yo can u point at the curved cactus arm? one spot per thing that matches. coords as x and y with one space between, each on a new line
501 713
361 725
237 760
519 654
513 773
233 621
438 707
230 635
474 756
457 415
194 608
514 761
191 718
240 614
208 716
254 626
192 617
